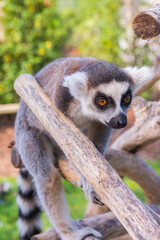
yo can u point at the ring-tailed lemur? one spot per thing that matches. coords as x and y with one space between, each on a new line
94 95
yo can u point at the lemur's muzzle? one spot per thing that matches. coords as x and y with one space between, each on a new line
118 121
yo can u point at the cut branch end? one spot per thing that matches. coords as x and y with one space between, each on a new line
146 25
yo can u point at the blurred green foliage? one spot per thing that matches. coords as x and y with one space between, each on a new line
75 199
99 29
35 34
9 212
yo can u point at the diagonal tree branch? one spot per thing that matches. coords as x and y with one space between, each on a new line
136 218
146 128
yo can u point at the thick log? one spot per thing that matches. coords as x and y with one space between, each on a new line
107 224
136 218
146 128
146 25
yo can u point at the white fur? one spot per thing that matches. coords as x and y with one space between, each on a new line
140 75
76 82
113 89
27 184
26 226
75 113
26 206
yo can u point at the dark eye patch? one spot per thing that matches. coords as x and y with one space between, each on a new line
127 96
110 102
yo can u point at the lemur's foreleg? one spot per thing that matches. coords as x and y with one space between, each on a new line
36 154
99 134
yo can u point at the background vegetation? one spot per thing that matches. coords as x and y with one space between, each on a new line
37 32
75 198
9 211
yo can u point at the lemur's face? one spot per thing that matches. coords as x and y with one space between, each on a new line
108 103
105 91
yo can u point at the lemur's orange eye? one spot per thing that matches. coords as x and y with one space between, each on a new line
127 99
102 101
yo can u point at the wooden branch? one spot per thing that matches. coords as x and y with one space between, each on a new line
94 209
125 163
146 128
146 25
107 224
9 108
135 168
136 218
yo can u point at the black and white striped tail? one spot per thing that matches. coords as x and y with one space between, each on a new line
29 222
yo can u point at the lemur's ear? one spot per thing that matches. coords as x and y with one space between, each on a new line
76 83
140 75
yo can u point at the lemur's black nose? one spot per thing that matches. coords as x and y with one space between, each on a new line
118 121
122 120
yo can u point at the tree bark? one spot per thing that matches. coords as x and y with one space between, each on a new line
146 25
146 128
107 224
125 163
136 218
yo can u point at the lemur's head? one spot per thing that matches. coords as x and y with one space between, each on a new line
105 90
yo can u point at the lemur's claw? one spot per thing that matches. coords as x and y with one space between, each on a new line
91 237
90 193
96 199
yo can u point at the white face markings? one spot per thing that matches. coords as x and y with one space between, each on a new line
83 107
115 90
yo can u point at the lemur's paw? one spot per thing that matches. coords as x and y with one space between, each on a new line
82 233
90 193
